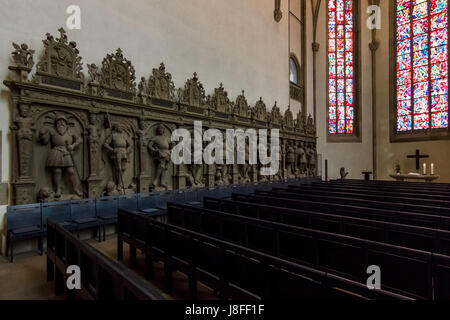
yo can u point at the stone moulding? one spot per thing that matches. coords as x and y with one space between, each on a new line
75 138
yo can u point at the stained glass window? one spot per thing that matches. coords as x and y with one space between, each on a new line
341 73
293 70
422 65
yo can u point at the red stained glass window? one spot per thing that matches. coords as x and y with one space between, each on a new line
341 67
422 65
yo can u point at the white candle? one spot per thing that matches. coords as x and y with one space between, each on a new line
424 168
432 168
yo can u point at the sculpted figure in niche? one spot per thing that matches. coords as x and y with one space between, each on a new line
24 136
46 195
60 158
160 147
222 175
23 56
302 161
111 189
119 148
245 168
290 159
93 72
194 175
282 156
312 161
310 127
219 175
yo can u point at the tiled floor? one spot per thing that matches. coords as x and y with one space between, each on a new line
25 279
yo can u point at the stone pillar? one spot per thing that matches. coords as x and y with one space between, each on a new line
254 173
179 178
23 131
235 174
144 177
23 192
210 176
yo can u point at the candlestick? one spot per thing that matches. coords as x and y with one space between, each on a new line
432 169
424 168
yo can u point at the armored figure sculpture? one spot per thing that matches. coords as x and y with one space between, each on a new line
24 137
119 148
290 159
245 167
302 160
160 147
282 157
312 160
60 158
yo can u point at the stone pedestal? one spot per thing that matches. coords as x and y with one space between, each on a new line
143 183
93 187
94 88
19 74
24 191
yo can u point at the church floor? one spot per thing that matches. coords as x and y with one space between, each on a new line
25 279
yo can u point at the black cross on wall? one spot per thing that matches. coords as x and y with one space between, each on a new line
418 156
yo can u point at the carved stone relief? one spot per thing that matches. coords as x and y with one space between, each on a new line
193 94
160 84
118 77
219 101
160 147
275 115
259 111
241 107
60 135
288 118
61 58
113 139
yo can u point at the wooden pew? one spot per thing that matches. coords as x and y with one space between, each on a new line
397 196
341 255
416 219
383 191
397 188
438 211
391 182
426 239
233 270
101 277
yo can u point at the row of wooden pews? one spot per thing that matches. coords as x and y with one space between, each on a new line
307 241
100 278
235 268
